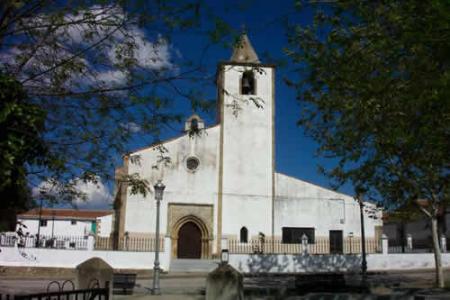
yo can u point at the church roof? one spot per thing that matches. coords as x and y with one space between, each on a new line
243 51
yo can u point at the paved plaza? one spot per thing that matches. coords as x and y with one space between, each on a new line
192 286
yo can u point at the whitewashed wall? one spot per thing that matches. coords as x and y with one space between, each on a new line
247 153
244 263
104 225
333 263
318 207
60 227
182 186
32 257
247 187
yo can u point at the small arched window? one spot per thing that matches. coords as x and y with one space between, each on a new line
248 83
244 235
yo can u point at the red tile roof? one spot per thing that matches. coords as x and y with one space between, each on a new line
48 213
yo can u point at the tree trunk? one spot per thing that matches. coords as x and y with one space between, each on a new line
437 253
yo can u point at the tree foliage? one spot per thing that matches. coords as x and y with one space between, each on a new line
375 94
103 72
21 125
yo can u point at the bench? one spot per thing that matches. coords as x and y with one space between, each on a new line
124 282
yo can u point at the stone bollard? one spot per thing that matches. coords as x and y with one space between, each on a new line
443 244
224 283
384 244
409 241
94 272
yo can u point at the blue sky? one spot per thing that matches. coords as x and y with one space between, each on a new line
295 152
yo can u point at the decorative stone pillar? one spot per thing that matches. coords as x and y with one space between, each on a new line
224 244
304 244
205 248
443 244
90 242
384 244
409 242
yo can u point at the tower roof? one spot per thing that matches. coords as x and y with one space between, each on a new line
243 51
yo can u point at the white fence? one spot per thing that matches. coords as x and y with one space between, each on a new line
126 243
321 245
254 263
64 258
12 255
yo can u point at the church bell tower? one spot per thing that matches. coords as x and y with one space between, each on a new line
246 162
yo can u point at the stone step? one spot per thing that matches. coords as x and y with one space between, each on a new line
193 265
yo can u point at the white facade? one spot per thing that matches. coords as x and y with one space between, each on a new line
320 208
104 225
56 227
66 222
235 184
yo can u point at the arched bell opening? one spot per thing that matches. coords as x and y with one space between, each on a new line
248 83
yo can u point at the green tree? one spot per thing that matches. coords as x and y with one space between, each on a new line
104 74
21 125
375 93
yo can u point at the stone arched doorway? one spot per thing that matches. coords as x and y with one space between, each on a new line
190 238
189 241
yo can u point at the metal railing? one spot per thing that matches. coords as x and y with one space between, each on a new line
63 292
44 241
321 245
126 243
411 246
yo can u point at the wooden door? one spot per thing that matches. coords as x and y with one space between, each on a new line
336 242
189 241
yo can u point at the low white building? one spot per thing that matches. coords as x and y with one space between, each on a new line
66 222
221 181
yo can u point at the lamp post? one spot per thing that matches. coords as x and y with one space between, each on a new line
38 239
363 238
159 190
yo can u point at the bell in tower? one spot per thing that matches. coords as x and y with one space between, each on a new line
248 83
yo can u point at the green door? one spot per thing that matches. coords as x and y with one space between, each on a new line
94 227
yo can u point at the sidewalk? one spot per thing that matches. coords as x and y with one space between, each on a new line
161 297
191 286
178 286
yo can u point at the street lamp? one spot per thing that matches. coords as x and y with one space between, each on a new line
38 236
363 237
224 257
159 191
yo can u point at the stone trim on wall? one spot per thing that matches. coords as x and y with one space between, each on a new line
220 91
200 214
120 203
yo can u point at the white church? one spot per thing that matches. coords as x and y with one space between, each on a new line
221 181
